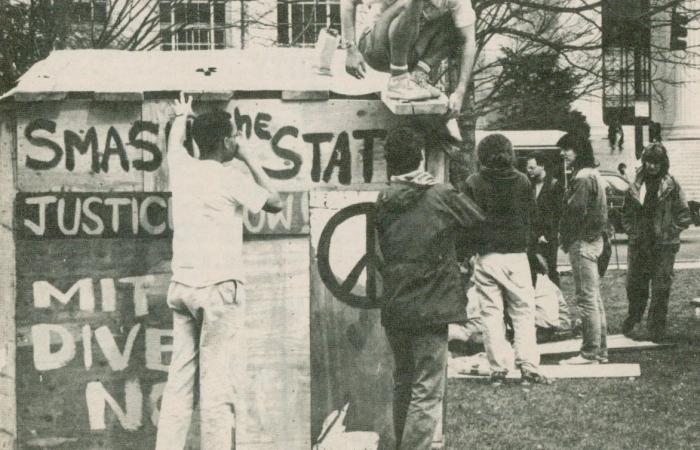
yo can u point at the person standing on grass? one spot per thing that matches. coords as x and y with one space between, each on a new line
545 222
417 222
501 271
206 293
584 220
654 214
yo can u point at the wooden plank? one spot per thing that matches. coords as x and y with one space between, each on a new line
352 363
558 371
279 360
402 108
277 387
99 215
295 96
118 96
334 144
8 410
617 342
82 145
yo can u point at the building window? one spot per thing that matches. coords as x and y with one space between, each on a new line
192 25
298 22
85 12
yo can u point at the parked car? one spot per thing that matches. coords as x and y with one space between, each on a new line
616 189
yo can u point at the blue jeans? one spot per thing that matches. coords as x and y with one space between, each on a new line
420 370
584 267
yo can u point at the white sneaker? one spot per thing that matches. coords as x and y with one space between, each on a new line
423 80
404 87
577 360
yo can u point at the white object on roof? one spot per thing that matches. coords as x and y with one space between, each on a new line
131 72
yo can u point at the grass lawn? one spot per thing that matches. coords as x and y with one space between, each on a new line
659 410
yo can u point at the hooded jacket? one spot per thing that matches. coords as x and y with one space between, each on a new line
585 213
417 221
670 217
508 202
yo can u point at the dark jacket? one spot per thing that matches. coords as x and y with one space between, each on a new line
507 200
671 216
547 210
585 212
417 226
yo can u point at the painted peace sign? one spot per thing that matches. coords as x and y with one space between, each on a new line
342 290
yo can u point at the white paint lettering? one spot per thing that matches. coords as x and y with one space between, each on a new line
141 285
280 217
143 215
134 216
44 358
97 398
153 399
99 226
155 348
254 227
43 291
109 295
62 217
117 360
87 346
115 203
43 201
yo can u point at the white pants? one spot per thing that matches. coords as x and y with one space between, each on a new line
208 351
503 280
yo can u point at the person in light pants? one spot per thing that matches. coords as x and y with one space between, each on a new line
206 294
502 272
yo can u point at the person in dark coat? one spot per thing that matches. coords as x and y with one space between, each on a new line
501 270
654 214
544 238
417 221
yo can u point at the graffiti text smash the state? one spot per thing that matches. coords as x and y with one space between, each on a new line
324 155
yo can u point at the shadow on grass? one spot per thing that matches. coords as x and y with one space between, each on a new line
658 410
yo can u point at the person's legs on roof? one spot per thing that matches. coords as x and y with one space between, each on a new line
387 46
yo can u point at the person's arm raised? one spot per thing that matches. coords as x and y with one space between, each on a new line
273 204
178 131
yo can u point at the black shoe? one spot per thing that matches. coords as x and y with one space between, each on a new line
532 377
498 378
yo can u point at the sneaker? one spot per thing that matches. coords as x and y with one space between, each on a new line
498 378
423 80
532 377
603 359
404 87
577 360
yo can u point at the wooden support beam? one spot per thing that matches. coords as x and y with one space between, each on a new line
557 371
402 108
617 342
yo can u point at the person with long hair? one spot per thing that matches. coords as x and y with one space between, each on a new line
583 222
654 214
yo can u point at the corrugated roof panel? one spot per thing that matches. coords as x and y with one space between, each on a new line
260 69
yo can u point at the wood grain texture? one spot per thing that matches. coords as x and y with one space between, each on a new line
403 108
350 360
8 421
112 122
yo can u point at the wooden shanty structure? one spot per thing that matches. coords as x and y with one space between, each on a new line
85 333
